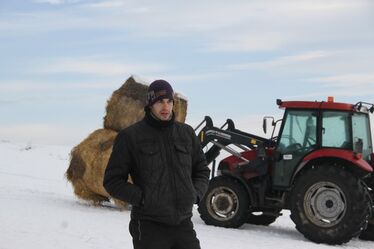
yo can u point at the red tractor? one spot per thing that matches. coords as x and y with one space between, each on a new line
320 167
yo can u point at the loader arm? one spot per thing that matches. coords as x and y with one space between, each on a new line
221 138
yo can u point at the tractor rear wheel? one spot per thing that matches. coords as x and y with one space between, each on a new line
225 204
329 205
368 233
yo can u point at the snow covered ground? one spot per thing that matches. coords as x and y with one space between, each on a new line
38 210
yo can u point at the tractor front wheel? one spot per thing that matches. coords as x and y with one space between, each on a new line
225 204
329 205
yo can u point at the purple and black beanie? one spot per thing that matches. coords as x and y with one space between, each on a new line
159 89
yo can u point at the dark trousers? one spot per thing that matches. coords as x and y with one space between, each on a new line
153 235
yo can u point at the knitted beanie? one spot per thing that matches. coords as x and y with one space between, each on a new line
159 89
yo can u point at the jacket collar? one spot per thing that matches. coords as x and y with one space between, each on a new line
157 123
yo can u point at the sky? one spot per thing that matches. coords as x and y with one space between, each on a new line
60 60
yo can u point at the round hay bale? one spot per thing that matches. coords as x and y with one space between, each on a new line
126 106
87 166
180 108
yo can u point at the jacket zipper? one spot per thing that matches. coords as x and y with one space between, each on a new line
169 151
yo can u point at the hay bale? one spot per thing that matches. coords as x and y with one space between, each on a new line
90 158
126 106
87 166
180 108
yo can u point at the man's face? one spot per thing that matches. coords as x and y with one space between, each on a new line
163 109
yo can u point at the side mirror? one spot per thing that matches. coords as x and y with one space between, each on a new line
265 123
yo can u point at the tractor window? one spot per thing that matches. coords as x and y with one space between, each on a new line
299 132
361 130
336 130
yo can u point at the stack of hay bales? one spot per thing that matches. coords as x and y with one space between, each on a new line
89 159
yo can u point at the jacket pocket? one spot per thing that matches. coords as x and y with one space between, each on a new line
150 162
184 155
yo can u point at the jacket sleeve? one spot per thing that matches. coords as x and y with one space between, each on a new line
200 170
117 171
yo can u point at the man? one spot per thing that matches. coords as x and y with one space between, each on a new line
169 172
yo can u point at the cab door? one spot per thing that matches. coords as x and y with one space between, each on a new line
298 138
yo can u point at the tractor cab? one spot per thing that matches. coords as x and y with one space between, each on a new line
312 130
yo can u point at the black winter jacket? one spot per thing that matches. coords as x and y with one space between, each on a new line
167 166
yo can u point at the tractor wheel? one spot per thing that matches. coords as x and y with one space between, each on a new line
368 233
329 205
261 219
225 204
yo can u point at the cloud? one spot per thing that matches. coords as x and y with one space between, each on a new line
343 93
107 4
7 102
195 16
282 61
95 66
192 77
347 80
50 1
347 85
57 2
343 85
272 25
218 26
247 43
39 22
40 86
